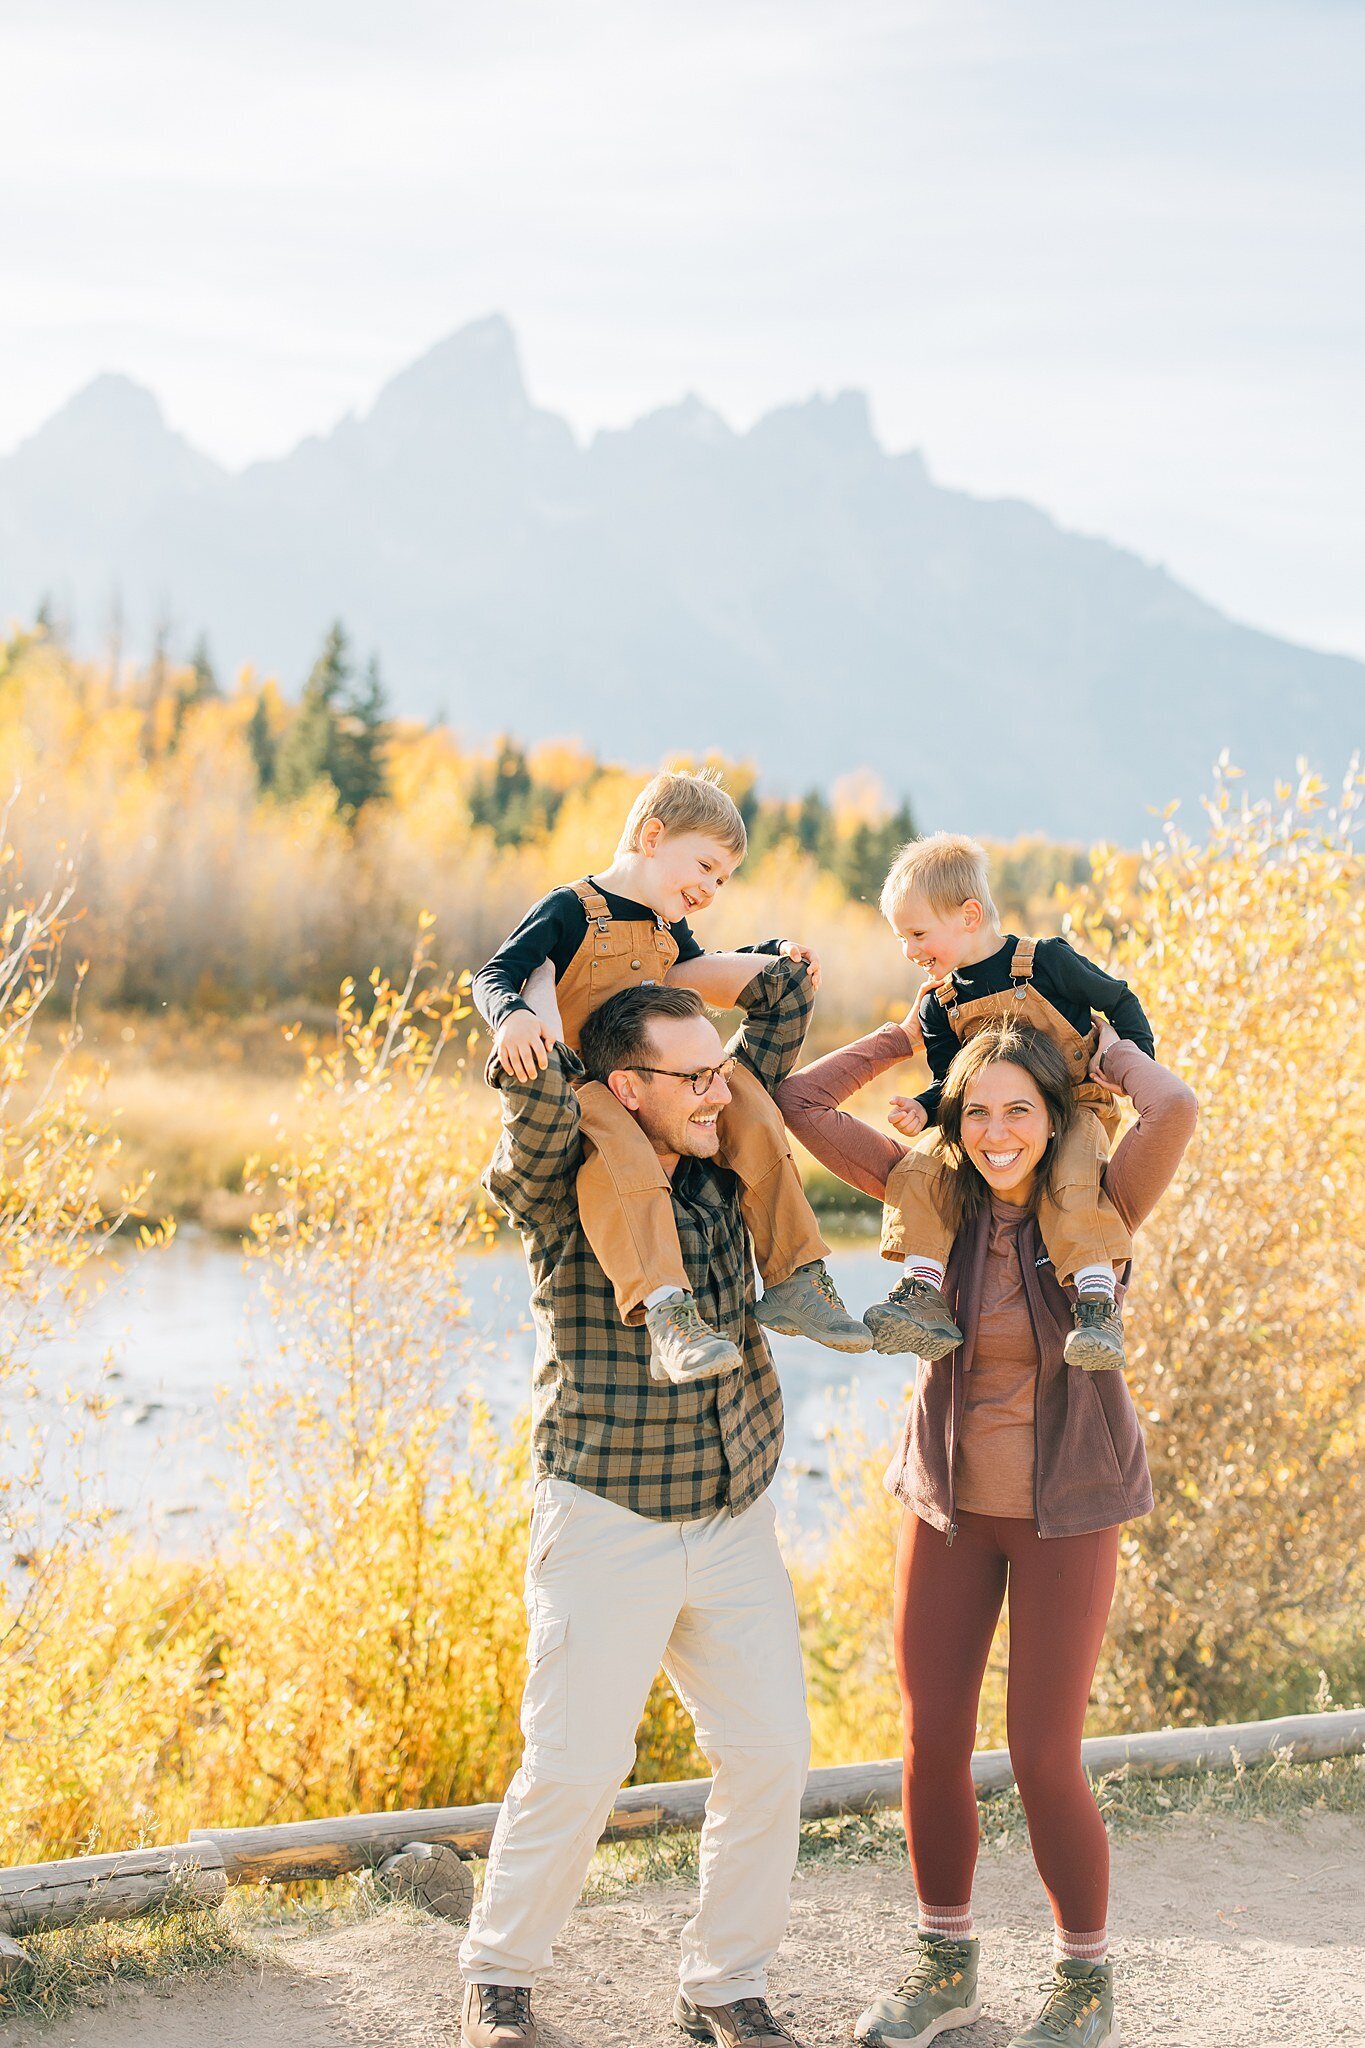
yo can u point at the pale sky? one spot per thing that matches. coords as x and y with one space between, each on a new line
1107 257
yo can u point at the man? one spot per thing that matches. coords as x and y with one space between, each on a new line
652 1536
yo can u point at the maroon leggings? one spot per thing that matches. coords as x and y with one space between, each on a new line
948 1600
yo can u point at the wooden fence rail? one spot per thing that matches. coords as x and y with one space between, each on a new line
43 1895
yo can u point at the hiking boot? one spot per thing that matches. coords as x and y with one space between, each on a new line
914 1317
683 1348
1079 2009
938 1994
497 2016
807 1304
1095 1340
748 2023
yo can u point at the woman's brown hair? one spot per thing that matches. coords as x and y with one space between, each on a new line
997 1044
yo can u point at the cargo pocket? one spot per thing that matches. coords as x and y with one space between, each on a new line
545 1702
554 1503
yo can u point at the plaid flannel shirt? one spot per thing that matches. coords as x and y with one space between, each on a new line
676 1454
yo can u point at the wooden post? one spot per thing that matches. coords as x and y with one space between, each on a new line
115 1887
327 1848
42 1895
13 1961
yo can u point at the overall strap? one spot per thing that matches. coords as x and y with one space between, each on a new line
1021 966
593 901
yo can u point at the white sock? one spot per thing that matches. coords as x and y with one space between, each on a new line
1080 1948
953 1922
918 1267
659 1294
1094 1280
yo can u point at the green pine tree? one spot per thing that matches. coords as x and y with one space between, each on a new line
357 763
261 745
308 751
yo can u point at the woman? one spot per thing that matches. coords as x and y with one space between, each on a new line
1016 1473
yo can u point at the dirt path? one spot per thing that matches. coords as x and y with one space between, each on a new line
1233 1935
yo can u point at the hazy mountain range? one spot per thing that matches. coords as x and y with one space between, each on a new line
794 594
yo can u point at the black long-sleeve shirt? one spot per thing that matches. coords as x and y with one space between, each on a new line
1072 984
553 930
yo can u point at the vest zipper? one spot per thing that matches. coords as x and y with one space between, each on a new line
952 1453
1037 1384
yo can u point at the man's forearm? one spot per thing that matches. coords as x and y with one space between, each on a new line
540 1148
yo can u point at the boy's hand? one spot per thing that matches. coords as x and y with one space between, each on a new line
523 1045
792 951
908 1115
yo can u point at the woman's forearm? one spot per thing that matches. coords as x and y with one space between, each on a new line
810 1099
1148 1154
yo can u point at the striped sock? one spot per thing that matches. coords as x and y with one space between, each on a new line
1081 1948
1094 1280
917 1267
953 1922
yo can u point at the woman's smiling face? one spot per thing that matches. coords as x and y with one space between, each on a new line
1005 1128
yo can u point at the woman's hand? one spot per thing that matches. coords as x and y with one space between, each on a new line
908 1115
1108 1037
911 1025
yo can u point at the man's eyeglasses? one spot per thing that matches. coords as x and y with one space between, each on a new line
700 1077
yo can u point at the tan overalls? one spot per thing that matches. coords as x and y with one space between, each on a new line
1078 1223
624 1198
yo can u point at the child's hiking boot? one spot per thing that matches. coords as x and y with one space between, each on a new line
1079 2009
1095 1340
683 1348
744 2023
497 2016
914 1317
807 1304
938 1994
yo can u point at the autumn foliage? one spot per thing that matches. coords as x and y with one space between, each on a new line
358 1640
1241 1595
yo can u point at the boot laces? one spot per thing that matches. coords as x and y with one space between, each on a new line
933 1970
1094 1309
1069 2000
505 2004
909 1287
753 2018
824 1284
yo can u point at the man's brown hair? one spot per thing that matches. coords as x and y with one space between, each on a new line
617 1034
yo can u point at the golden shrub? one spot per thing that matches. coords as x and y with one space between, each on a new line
1247 946
1242 1593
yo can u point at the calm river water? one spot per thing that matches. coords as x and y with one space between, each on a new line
179 1325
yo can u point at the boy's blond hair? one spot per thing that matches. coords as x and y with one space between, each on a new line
683 802
947 869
